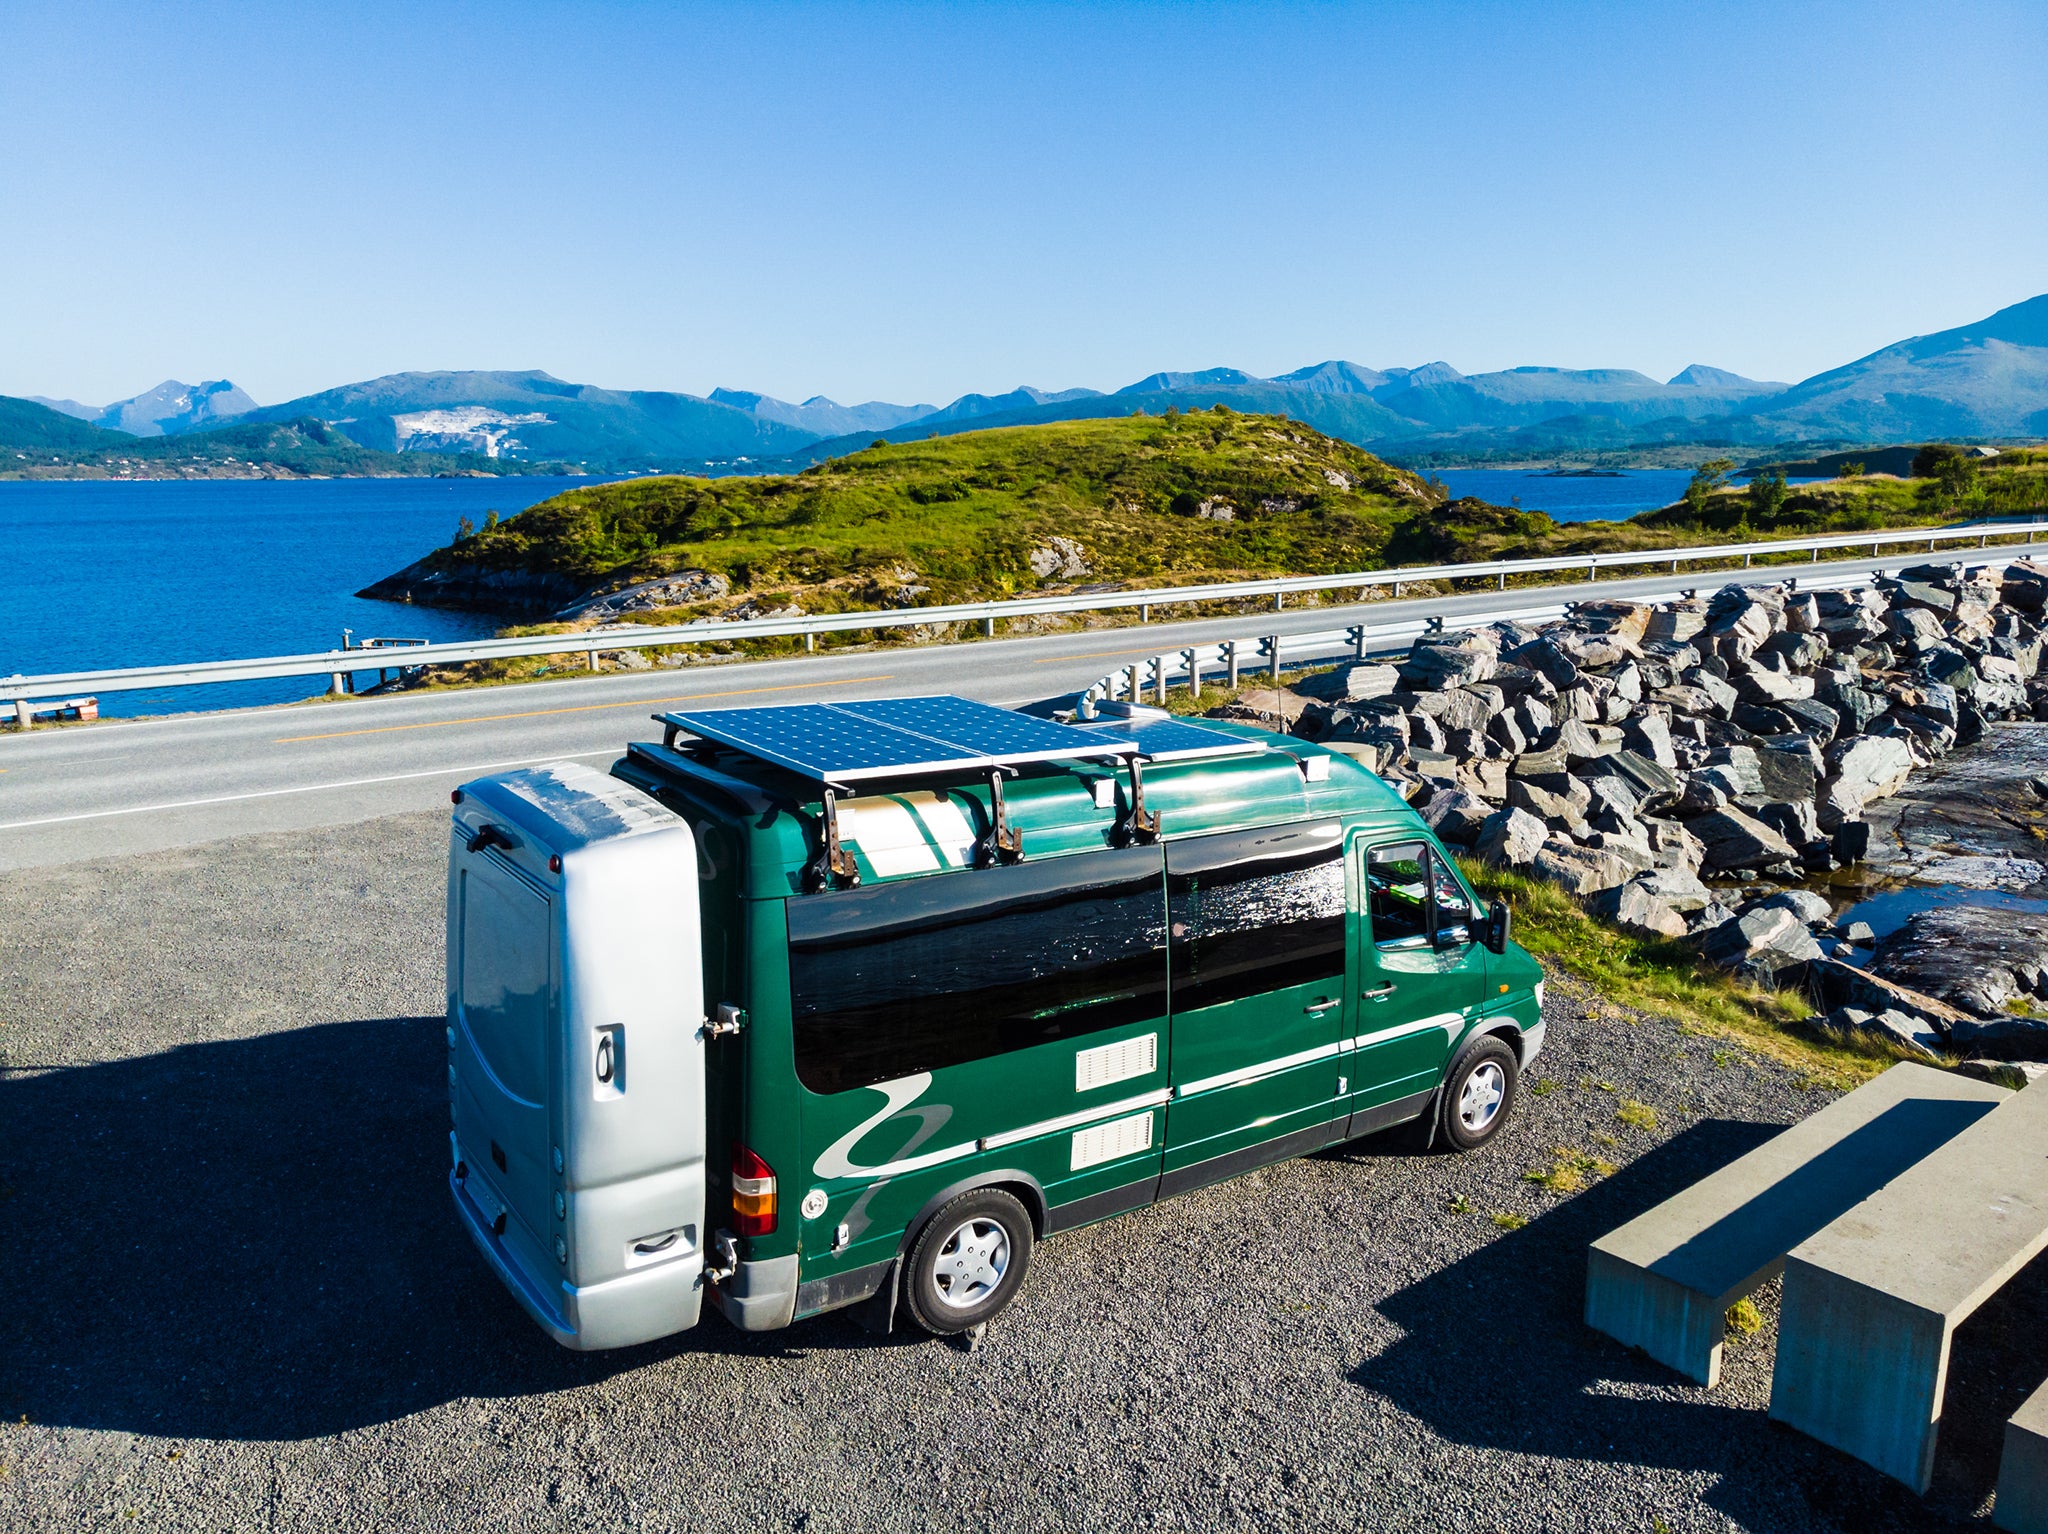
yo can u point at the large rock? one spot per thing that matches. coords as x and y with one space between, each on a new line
1771 687
1914 628
1976 958
1676 622
1789 767
1456 816
1902 1029
1810 907
1761 942
1677 888
1861 770
1361 681
1579 870
1454 708
1633 908
1437 661
2024 585
1649 734
1511 838
1674 847
1835 984
1735 840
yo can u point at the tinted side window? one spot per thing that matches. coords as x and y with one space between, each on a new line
916 976
1254 911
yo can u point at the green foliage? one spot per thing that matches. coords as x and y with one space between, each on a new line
1636 1115
1445 534
1706 479
1766 496
962 514
1744 1319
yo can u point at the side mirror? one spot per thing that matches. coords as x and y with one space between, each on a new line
1497 924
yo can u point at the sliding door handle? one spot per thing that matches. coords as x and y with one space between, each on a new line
1380 992
1317 1008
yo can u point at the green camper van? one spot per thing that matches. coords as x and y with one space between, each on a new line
851 1004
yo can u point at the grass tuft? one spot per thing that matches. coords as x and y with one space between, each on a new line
1510 1221
1636 1115
1744 1319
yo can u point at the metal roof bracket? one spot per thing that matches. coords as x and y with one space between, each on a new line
1136 824
1001 842
833 861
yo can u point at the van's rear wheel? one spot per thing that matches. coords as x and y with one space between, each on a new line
968 1261
1479 1095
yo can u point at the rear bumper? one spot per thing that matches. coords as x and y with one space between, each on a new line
636 1307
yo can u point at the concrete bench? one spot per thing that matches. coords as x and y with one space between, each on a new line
1664 1281
2022 1505
1872 1301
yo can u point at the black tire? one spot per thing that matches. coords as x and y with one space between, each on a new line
1479 1095
967 1262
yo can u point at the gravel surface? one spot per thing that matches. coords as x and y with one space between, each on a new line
235 1296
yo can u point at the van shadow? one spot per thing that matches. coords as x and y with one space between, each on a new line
1496 1354
253 1239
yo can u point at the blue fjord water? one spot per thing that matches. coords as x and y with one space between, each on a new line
102 573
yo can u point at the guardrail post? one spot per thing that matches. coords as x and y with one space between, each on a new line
1274 644
1279 601
1745 561
1137 694
594 663
810 642
1503 580
336 684
24 715
1356 634
1144 612
1816 556
1674 567
1159 677
988 628
1194 659
1230 660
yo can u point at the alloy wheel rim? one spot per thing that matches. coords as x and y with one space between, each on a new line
1479 1102
971 1263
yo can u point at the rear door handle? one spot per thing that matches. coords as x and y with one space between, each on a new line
1380 992
1315 1007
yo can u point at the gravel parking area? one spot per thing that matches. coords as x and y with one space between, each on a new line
234 1297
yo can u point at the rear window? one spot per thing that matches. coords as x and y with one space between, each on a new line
504 1000
919 975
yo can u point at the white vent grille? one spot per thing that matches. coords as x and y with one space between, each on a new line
1107 1064
1112 1141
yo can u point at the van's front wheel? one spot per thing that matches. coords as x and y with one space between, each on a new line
1479 1095
968 1261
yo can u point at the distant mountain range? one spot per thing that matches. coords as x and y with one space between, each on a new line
171 407
1989 379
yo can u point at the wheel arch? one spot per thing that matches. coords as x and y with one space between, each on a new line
1020 1185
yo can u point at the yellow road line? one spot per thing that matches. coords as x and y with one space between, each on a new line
578 708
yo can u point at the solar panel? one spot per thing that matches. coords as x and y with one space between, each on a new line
996 732
1166 739
893 737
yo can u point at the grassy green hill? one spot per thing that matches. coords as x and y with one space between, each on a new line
1177 497
1131 501
39 443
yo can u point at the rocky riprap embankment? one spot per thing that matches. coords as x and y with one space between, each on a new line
1647 758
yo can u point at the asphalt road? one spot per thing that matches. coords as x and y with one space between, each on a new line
140 785
235 1296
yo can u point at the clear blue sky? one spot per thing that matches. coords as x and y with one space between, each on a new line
871 201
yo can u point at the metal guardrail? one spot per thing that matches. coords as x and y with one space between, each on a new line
22 690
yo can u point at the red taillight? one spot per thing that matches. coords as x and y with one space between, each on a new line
753 1193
